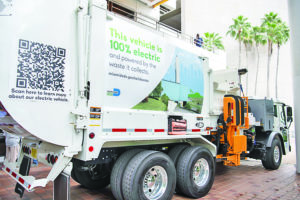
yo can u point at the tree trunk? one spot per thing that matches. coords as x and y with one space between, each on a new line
240 50
257 67
277 66
247 69
268 67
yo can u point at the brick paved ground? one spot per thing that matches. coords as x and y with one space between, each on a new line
248 181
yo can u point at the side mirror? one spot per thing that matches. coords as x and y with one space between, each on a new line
289 114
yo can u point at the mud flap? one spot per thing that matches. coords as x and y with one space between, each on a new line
61 187
24 170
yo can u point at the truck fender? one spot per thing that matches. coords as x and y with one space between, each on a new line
272 136
205 143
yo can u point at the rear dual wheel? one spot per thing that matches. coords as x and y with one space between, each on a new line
150 175
118 171
143 175
195 171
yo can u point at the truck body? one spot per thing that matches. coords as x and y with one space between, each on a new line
103 98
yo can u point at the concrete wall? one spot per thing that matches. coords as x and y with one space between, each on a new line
294 6
216 16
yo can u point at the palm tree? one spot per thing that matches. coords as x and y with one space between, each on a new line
236 30
260 38
281 37
270 23
247 38
212 41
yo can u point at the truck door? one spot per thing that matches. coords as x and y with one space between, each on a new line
282 115
289 119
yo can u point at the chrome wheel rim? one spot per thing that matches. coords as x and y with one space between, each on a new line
201 172
276 154
155 182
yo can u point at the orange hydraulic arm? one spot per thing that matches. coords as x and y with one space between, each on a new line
235 111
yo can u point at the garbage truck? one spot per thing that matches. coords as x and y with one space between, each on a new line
108 100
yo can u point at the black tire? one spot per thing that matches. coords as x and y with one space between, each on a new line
175 152
73 175
156 165
118 170
96 177
185 168
271 162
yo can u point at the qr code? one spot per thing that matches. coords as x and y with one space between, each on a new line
40 66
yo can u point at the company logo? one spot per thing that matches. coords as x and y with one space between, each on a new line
200 124
115 92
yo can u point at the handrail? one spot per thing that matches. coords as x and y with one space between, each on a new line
159 26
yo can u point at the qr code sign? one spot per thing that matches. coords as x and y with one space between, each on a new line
40 66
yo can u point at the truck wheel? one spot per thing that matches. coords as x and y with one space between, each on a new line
273 156
150 175
195 171
175 152
73 175
94 177
118 171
